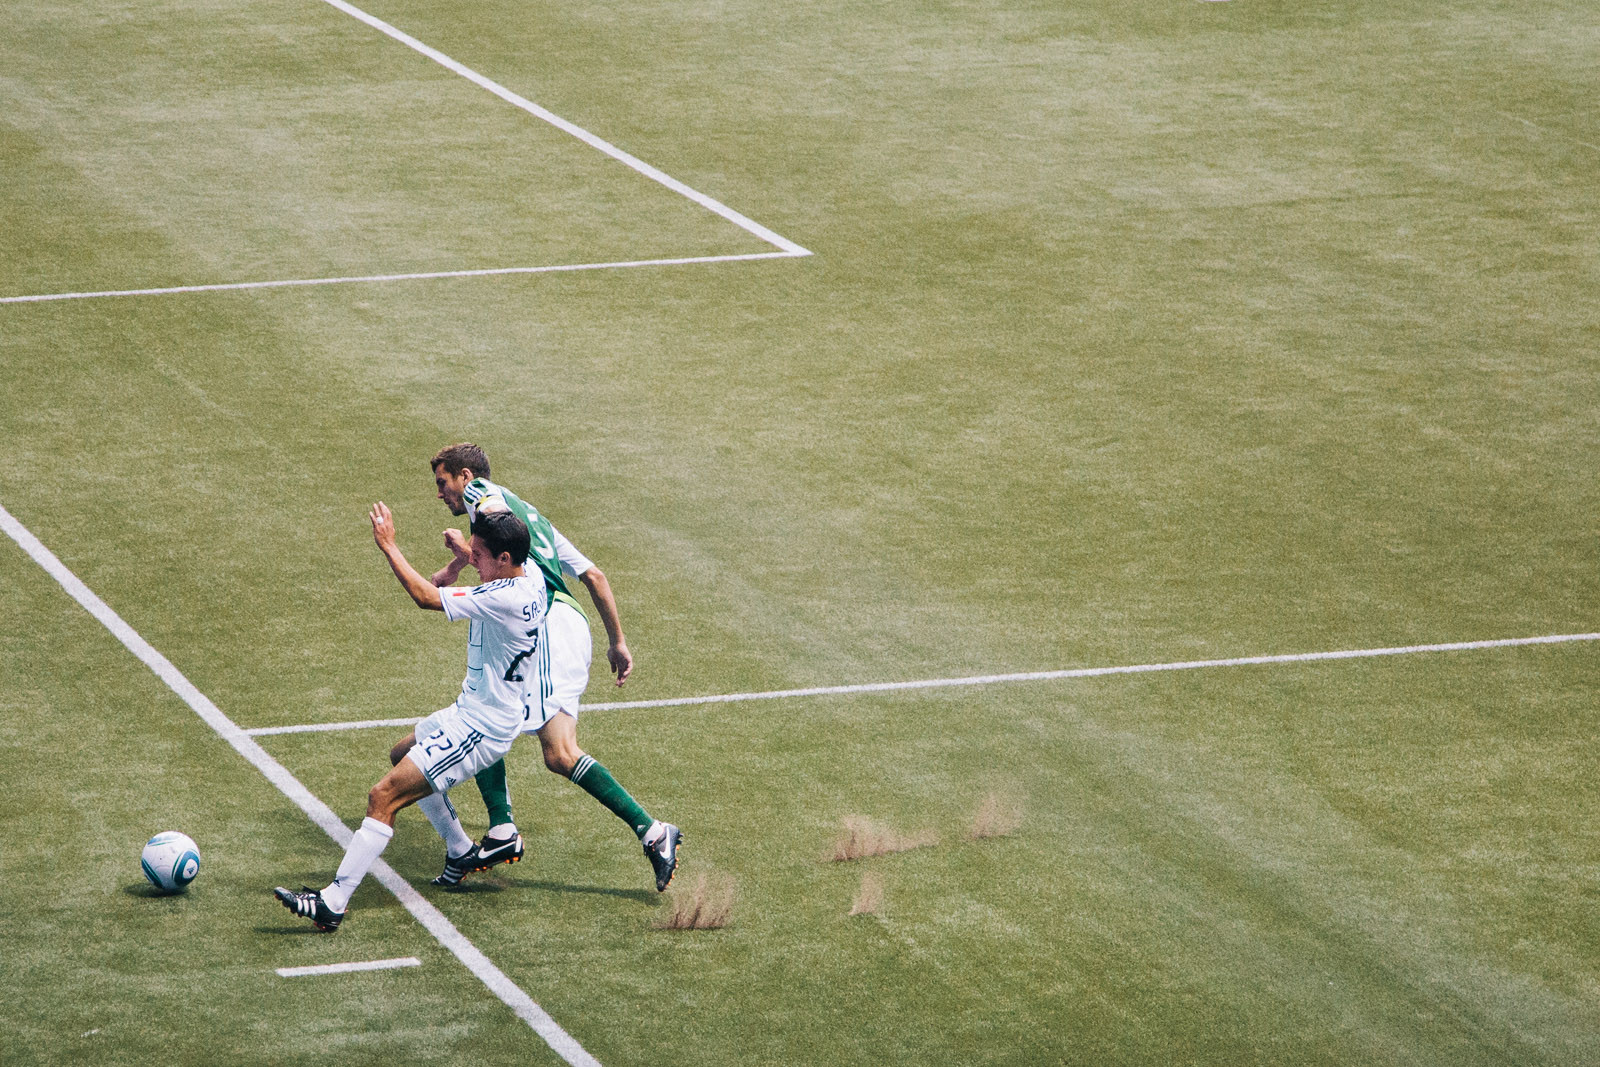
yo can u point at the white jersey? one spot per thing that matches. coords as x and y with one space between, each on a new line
508 630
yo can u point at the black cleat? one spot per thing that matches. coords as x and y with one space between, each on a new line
308 905
663 855
492 850
458 868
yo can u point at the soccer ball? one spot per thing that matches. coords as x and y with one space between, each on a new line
170 860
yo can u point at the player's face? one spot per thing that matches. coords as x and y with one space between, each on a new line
451 486
489 566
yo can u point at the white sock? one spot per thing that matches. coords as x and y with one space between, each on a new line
365 848
440 812
652 835
502 831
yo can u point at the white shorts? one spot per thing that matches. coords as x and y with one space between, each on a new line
448 751
562 673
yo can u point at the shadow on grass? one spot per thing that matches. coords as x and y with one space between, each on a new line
643 896
465 888
145 889
291 931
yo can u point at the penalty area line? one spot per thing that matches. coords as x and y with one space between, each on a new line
431 918
750 226
996 679
422 276
787 249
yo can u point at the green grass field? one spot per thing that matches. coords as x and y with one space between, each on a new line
1132 333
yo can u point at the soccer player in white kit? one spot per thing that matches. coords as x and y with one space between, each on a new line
507 633
461 475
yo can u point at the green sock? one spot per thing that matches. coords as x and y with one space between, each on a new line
598 783
496 797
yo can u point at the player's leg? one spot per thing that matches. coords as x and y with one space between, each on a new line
404 784
402 746
460 854
449 752
501 843
559 673
558 739
497 799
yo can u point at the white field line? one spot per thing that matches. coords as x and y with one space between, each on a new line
788 248
280 284
425 913
992 679
346 968
776 240
396 277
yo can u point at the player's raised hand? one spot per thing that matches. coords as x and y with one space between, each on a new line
382 525
456 542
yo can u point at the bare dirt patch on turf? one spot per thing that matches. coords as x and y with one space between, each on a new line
869 898
707 906
861 837
997 816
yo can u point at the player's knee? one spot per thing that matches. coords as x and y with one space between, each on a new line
386 798
561 760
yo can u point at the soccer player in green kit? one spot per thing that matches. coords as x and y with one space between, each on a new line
461 475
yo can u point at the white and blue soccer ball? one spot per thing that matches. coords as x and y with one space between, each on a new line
170 860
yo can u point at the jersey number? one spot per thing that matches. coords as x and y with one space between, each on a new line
513 672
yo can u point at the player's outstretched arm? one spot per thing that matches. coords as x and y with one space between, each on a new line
605 603
424 592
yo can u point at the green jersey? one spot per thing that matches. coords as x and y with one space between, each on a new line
556 558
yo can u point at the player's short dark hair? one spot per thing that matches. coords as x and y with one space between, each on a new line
457 458
501 531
